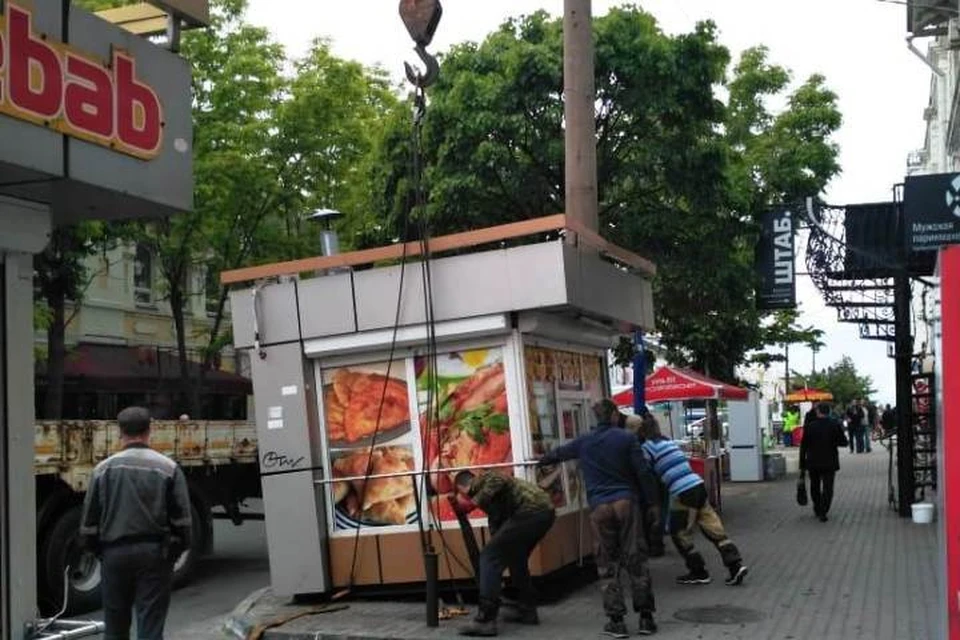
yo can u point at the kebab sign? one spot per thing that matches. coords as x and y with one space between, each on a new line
52 85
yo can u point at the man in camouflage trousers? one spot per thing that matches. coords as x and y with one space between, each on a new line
519 514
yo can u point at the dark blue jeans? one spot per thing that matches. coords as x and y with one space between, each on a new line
509 548
137 575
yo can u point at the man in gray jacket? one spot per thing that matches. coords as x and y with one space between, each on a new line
136 518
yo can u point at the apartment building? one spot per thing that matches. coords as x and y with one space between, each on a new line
122 344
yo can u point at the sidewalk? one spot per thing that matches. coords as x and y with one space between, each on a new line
864 574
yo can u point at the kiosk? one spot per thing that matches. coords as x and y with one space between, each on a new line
376 383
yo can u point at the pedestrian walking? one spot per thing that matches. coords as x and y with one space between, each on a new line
888 421
856 421
820 460
620 487
690 508
519 514
871 424
136 518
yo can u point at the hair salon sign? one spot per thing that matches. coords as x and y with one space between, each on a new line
52 85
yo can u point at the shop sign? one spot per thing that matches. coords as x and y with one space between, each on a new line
775 259
52 85
931 210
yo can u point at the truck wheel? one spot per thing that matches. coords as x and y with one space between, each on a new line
62 549
186 564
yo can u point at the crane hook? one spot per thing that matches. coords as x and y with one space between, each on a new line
429 76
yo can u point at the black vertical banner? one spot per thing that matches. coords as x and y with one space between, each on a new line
775 261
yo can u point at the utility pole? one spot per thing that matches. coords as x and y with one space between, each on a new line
579 92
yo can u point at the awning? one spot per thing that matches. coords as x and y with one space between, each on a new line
117 368
675 384
809 395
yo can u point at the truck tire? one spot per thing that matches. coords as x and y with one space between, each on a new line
62 549
186 564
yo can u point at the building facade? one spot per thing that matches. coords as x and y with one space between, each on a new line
122 343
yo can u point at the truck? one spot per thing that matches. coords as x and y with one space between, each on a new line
219 459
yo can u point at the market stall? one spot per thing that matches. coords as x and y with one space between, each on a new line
372 396
676 384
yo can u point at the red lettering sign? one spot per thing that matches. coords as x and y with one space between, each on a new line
49 84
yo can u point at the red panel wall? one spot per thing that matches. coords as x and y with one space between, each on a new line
950 405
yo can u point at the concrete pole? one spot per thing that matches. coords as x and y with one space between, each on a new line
579 113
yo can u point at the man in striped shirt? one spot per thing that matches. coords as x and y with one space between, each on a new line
689 508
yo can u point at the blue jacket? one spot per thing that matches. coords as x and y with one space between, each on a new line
613 464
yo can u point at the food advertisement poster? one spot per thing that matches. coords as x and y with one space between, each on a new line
464 420
368 428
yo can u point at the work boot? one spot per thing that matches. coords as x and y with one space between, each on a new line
647 626
522 615
737 574
480 627
616 628
484 625
695 577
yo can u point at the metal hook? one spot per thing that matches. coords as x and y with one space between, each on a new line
423 80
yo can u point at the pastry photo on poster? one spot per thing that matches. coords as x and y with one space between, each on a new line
464 420
368 428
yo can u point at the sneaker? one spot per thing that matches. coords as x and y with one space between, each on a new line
736 576
823 517
694 577
616 629
647 626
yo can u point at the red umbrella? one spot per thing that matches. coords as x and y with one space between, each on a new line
674 384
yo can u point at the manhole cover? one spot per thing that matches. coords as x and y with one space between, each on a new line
719 614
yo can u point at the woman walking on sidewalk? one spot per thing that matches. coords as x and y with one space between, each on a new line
689 508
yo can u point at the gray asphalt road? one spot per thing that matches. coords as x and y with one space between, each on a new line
237 567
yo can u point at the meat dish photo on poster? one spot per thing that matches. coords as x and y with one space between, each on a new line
366 412
361 400
464 420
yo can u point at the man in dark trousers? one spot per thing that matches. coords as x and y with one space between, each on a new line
619 486
820 460
519 514
856 419
888 421
136 518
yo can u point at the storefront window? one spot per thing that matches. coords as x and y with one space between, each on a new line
464 420
368 430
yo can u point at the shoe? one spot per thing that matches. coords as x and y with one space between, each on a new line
522 616
616 629
693 577
823 517
480 628
736 576
647 626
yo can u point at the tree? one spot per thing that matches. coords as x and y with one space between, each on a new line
62 278
681 176
843 381
269 147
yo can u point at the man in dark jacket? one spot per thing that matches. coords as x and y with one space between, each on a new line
519 514
136 517
820 460
619 485
888 421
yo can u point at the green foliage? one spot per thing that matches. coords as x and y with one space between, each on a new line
682 176
843 381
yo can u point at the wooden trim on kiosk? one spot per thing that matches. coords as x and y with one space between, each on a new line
442 244
395 558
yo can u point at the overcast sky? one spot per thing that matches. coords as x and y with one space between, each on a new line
857 44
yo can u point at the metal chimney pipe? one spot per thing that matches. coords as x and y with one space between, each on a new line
329 241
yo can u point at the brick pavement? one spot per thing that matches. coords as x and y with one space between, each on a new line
864 574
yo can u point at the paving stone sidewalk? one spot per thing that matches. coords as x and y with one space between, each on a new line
864 574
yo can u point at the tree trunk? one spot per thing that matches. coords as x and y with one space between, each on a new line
56 357
187 392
